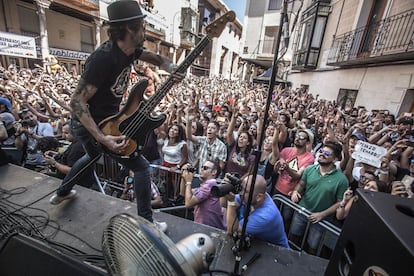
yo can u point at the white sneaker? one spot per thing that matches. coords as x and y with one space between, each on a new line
55 199
162 226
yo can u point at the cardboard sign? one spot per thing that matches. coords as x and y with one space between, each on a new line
368 153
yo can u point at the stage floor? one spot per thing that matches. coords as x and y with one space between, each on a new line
85 218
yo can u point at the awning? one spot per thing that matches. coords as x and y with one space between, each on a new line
264 63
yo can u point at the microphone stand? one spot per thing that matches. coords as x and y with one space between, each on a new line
258 152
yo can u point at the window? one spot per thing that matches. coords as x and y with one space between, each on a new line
269 43
29 25
29 21
275 4
87 40
309 41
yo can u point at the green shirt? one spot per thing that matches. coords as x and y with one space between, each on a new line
322 191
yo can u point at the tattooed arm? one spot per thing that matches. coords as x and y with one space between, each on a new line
78 103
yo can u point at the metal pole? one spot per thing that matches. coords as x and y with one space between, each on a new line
262 136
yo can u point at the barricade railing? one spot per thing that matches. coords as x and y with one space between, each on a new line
329 237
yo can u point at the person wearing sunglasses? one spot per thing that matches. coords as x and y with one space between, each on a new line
207 209
292 161
320 191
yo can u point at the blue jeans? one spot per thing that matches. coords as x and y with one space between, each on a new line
298 227
138 164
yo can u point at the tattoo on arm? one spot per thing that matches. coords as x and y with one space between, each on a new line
83 92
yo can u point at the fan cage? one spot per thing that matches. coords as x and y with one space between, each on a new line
134 246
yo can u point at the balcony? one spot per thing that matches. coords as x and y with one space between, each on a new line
386 41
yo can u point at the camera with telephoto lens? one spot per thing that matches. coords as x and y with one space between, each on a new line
235 187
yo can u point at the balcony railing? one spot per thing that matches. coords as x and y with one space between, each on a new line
388 40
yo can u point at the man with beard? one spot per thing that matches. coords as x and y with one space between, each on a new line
207 209
319 191
99 94
27 133
292 161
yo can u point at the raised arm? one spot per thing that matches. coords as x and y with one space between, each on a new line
188 133
230 128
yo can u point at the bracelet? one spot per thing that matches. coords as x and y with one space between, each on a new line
188 183
342 204
54 163
231 203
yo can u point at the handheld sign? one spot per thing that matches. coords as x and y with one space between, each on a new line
368 153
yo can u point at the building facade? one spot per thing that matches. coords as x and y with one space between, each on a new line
37 31
356 52
67 30
260 32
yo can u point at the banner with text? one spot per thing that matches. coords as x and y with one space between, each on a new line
63 53
17 45
368 153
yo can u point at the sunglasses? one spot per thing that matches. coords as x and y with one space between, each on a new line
23 111
327 153
301 137
206 168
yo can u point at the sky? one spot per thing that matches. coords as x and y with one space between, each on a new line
238 6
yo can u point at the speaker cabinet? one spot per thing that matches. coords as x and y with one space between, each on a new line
22 255
377 238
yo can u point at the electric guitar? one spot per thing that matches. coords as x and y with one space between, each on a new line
135 119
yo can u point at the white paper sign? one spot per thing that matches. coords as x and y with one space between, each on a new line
368 153
17 45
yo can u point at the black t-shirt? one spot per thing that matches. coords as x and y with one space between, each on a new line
74 152
108 68
150 150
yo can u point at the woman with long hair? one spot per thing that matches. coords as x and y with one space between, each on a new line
175 154
240 159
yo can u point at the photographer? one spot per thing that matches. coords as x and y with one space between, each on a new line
264 222
62 163
207 209
27 134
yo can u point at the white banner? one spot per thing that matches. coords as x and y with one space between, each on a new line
368 153
17 45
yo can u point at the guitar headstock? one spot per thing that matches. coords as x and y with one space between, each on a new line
215 28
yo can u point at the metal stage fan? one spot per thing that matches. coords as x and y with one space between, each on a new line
133 246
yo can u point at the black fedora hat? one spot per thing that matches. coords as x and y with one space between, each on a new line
124 10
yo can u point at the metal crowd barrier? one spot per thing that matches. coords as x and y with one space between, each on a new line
329 237
108 182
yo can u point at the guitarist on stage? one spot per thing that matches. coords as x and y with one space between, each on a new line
99 93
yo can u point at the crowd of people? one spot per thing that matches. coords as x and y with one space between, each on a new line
213 127
214 119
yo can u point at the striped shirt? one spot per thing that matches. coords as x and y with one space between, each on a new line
216 150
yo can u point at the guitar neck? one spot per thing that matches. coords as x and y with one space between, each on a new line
156 99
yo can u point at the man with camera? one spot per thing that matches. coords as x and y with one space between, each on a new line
264 222
62 163
28 132
207 209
